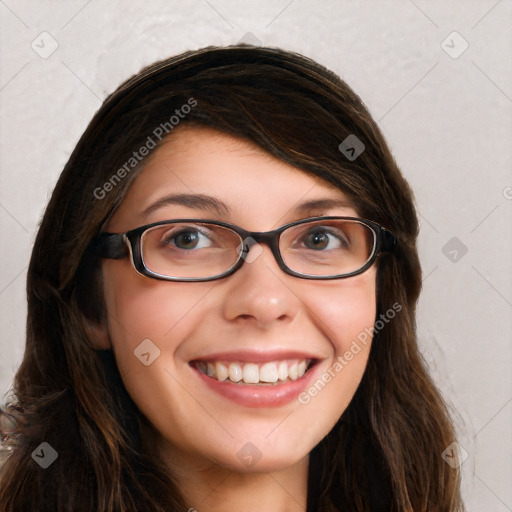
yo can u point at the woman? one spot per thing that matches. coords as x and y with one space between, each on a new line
222 306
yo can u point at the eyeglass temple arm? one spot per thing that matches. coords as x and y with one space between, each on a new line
388 240
112 246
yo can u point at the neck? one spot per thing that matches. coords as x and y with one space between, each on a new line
222 490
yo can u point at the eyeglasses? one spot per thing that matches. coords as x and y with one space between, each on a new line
205 250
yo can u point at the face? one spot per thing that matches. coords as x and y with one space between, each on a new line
258 316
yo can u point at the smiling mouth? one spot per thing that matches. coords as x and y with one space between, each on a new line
267 373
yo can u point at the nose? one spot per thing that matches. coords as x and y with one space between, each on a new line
259 292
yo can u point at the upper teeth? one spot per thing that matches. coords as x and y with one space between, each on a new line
254 373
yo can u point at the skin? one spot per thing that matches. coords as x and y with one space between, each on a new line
197 432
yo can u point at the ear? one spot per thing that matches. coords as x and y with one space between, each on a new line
98 335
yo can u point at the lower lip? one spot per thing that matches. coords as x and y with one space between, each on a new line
249 395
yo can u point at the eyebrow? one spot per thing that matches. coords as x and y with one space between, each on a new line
212 204
322 205
196 201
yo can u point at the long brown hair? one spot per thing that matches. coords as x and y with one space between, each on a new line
65 393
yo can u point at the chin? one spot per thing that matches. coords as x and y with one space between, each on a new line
265 464
260 456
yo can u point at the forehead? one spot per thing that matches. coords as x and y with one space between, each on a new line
248 183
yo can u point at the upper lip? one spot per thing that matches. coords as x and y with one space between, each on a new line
254 356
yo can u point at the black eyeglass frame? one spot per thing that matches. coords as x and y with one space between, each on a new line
121 245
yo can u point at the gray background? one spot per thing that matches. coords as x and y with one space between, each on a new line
446 115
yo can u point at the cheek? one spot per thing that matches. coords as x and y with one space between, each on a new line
345 313
141 309
344 310
148 322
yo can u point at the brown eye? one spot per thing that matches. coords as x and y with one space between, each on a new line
187 239
317 240
321 239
